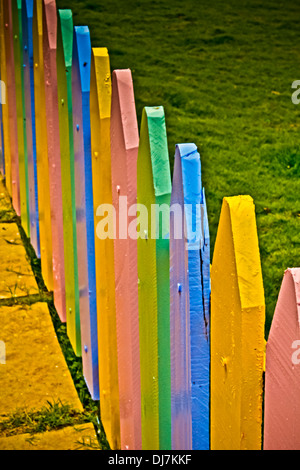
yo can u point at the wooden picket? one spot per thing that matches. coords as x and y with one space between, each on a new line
124 152
44 204
85 206
171 346
237 330
100 111
30 128
282 380
5 121
21 114
64 82
12 167
190 348
54 156
153 275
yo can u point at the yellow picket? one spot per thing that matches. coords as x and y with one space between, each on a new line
237 330
104 248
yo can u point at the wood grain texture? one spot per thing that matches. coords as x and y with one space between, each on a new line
237 330
124 152
282 410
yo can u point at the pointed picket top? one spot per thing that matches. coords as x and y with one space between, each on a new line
124 152
124 91
154 188
100 110
159 150
282 379
83 45
103 81
85 206
247 255
66 24
237 329
50 30
28 4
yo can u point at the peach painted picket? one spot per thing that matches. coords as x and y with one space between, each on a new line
124 152
172 346
282 380
54 155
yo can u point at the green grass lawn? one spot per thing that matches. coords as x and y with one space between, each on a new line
223 72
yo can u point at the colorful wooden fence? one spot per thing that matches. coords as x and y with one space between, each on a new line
172 346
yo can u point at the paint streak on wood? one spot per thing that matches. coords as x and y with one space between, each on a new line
64 81
54 157
124 152
154 188
104 246
42 148
237 330
282 380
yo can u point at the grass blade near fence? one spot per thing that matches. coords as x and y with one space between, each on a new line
28 67
54 157
100 111
124 153
21 114
154 190
12 173
65 106
237 330
42 148
81 75
282 380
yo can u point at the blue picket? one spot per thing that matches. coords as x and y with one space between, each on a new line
81 73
